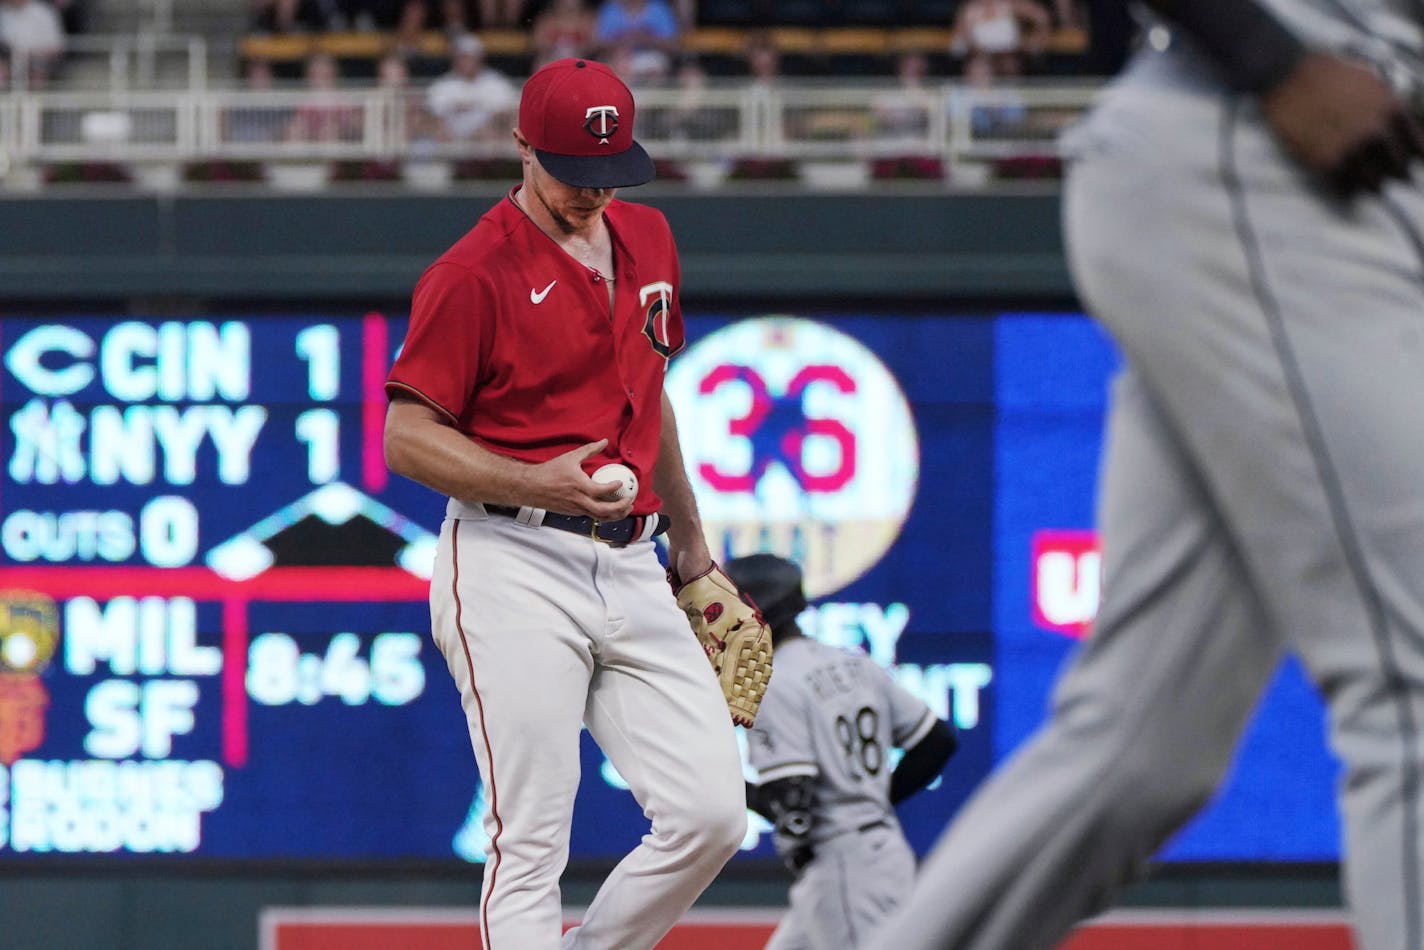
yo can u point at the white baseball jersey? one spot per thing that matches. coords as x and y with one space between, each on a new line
1387 32
835 715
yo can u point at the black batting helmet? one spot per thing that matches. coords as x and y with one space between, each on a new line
774 585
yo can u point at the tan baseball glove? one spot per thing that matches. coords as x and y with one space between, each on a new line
733 635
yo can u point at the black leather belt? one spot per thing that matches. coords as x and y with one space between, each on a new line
619 533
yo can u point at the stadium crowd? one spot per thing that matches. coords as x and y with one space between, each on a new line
471 88
456 66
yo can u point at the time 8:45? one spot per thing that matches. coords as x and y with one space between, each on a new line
279 673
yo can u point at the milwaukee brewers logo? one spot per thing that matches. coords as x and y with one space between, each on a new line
657 299
798 441
29 631
601 122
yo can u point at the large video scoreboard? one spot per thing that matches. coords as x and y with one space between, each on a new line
214 637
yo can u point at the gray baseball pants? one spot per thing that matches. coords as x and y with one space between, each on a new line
1262 492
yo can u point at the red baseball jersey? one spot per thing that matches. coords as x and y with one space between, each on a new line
510 337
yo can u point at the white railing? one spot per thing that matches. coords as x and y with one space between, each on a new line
844 121
137 61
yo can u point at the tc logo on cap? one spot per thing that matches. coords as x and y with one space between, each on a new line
601 122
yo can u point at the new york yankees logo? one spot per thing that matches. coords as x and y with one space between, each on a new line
601 122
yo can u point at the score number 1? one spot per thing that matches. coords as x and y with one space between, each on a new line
320 429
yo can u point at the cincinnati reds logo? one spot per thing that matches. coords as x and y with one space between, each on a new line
601 122
711 612
657 298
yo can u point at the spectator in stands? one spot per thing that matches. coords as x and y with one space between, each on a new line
74 14
563 28
452 17
1067 14
646 31
34 34
367 15
474 100
1003 116
462 16
325 115
4 66
410 24
693 118
293 16
392 73
904 114
763 63
1003 33
763 59
501 13
415 126
252 121
902 123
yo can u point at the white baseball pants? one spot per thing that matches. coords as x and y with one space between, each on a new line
543 631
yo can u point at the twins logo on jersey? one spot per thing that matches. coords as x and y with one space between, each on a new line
656 299
798 441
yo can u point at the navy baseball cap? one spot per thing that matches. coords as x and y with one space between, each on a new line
578 116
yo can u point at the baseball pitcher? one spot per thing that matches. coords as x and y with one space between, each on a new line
534 361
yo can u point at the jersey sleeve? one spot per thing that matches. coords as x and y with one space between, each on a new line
910 718
779 745
445 345
676 332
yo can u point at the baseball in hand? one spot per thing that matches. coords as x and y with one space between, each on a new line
618 472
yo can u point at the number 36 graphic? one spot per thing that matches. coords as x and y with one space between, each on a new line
777 427
797 440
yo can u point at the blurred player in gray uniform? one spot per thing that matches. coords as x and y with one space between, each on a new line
821 746
1239 216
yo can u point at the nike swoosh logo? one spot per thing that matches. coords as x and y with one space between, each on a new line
537 296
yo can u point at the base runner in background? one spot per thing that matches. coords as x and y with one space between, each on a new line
536 354
1238 214
821 745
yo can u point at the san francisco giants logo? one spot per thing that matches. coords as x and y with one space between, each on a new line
601 122
23 701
